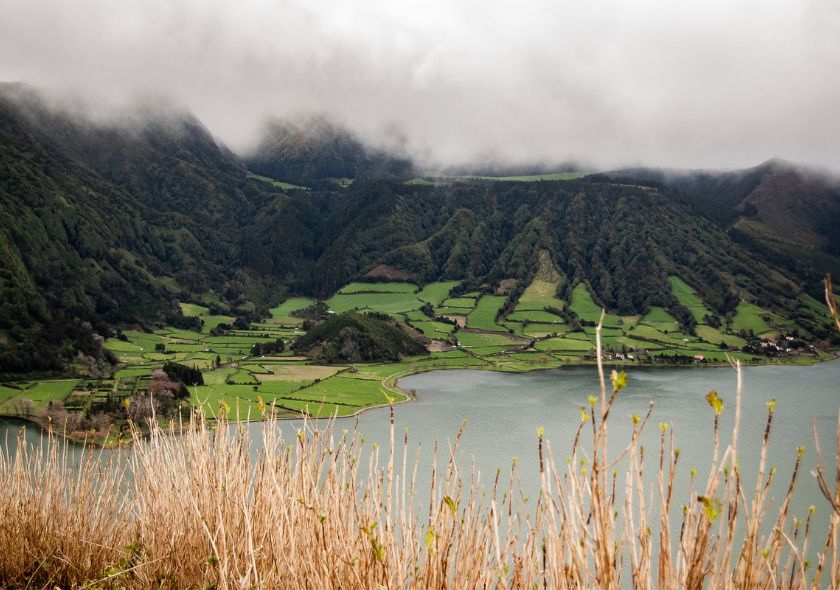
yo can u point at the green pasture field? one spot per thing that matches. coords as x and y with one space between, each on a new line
416 316
434 362
357 392
209 400
278 183
282 359
582 304
378 288
577 336
539 330
272 389
661 320
587 310
193 309
298 372
648 332
7 393
434 330
243 377
291 304
703 346
158 356
535 316
213 321
455 353
382 302
748 317
470 339
538 358
484 314
44 392
466 302
228 340
564 344
435 293
689 299
538 295
218 376
649 345
488 351
254 368
146 340
715 336
379 371
133 372
175 333
517 328
117 346
186 347
316 409
462 311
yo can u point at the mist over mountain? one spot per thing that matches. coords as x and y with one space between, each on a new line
107 223
317 149
716 84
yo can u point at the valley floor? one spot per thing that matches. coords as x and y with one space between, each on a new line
463 331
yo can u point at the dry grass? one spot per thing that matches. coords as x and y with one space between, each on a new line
203 510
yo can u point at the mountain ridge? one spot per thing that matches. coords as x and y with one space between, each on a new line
105 224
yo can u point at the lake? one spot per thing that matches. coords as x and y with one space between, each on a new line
504 410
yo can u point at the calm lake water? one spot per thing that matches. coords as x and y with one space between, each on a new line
504 410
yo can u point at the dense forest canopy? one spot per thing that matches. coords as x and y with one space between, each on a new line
104 224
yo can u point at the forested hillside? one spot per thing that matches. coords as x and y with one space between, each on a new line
106 223
354 337
787 214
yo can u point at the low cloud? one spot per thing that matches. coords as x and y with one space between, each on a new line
722 83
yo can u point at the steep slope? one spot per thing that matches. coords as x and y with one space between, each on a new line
106 222
623 240
784 213
111 222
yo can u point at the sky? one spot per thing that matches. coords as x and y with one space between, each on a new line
607 83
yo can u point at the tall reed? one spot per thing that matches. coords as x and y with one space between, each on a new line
195 506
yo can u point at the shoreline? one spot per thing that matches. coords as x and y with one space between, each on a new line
391 383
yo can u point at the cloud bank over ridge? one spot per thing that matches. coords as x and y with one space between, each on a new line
609 83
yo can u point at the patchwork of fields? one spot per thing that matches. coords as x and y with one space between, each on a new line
463 330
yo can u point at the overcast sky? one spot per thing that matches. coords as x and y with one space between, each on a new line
711 83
